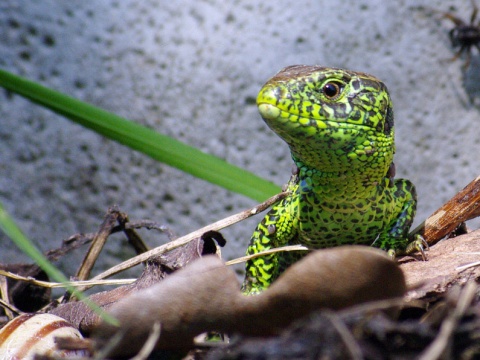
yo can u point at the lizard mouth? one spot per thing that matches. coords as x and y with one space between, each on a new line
275 117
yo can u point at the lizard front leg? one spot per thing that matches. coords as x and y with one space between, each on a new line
276 229
395 239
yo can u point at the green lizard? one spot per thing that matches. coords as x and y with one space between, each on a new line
339 127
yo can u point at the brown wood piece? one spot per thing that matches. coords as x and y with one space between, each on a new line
446 266
465 205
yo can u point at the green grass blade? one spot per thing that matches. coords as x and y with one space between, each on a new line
10 228
143 139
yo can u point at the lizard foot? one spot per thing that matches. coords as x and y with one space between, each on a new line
417 244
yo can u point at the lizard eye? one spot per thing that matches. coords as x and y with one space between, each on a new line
331 89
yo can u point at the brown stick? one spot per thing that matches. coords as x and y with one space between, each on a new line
133 238
98 242
464 206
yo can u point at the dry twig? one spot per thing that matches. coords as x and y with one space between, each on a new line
346 335
441 345
53 285
189 237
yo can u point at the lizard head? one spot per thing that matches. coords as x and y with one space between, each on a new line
332 119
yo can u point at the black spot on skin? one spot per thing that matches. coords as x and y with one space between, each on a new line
356 84
355 115
387 127
391 171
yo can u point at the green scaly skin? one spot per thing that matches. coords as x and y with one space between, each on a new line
339 127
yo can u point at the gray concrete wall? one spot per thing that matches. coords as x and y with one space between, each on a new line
190 69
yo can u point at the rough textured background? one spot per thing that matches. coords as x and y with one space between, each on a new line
190 69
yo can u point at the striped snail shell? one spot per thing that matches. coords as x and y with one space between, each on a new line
28 335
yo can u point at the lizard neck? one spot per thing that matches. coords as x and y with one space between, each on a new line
344 185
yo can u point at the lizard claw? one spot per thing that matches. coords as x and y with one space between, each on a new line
418 244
